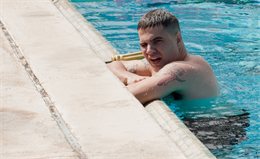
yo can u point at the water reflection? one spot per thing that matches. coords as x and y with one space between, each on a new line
216 122
217 133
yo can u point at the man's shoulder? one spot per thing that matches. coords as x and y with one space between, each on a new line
189 67
175 68
193 62
177 65
194 67
197 60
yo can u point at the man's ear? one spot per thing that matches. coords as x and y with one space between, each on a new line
178 37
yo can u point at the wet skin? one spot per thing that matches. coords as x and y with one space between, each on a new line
167 68
160 46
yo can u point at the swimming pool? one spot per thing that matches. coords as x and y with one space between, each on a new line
226 34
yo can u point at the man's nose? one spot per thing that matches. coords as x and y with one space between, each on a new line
150 49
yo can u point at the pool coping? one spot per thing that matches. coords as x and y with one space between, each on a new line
168 121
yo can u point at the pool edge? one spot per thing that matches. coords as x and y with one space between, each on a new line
103 49
168 121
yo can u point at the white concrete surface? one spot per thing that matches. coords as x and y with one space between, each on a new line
27 128
105 118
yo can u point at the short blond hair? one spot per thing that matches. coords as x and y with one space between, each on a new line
159 17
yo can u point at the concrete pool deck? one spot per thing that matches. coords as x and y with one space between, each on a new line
60 100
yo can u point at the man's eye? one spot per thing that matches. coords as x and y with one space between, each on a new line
143 45
157 41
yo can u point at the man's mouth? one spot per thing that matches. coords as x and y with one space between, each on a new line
155 60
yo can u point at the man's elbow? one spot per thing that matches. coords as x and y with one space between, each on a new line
141 96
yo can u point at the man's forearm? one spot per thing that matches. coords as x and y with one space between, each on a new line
143 91
118 68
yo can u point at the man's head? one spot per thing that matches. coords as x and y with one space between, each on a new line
159 17
160 38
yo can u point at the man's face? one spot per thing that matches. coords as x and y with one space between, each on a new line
159 46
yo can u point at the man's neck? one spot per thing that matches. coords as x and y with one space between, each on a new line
183 52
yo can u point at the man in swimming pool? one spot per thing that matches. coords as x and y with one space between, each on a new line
167 67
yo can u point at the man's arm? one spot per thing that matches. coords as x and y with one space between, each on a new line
173 77
130 71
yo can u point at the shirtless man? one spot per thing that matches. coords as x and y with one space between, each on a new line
167 67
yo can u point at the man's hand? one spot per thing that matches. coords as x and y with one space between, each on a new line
130 72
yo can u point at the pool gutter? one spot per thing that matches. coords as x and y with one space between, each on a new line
168 121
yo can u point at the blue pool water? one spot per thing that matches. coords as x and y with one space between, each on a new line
224 32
